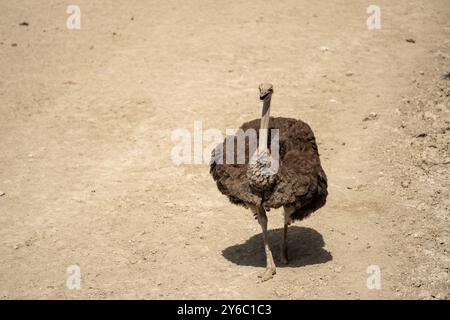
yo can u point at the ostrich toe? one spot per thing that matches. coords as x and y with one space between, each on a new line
267 274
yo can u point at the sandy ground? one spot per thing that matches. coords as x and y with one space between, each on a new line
87 179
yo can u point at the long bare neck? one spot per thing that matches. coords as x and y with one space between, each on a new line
264 128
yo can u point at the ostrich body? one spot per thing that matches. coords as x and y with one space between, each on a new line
299 185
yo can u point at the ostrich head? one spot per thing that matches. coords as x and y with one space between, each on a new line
265 91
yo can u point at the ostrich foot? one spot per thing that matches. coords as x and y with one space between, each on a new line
267 274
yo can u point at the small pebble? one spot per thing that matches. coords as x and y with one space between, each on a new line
371 116
405 184
421 135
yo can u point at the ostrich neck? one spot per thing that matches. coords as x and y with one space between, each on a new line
264 127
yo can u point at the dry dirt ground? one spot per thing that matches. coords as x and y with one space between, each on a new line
87 179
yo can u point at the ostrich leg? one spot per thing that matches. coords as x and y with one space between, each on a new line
284 246
260 214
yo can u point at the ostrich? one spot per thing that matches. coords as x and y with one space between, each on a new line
299 184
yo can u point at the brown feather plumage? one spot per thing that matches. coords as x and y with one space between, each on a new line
301 182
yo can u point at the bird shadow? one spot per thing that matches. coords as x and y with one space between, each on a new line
305 248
